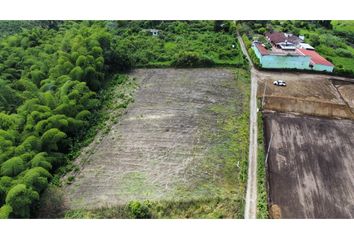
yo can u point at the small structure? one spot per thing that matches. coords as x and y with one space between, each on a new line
154 32
306 46
317 62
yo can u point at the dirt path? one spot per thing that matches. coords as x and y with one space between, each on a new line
162 149
251 194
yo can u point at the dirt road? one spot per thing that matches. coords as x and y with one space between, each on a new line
251 193
166 146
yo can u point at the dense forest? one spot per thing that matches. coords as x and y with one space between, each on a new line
51 72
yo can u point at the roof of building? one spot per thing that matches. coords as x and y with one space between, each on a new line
263 51
315 57
278 37
306 46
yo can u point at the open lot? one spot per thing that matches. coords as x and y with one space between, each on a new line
173 143
346 90
312 94
310 165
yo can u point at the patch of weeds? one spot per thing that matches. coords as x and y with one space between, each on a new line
139 210
225 167
207 208
70 180
262 203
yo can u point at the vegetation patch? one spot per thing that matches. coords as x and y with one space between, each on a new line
207 209
49 84
179 43
262 197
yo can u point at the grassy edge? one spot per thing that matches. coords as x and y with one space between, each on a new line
262 202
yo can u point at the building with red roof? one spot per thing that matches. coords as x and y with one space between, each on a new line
280 59
289 52
317 62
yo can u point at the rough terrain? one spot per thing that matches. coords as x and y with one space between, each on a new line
160 150
310 165
310 94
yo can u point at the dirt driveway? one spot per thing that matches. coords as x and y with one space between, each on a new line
160 150
312 94
310 165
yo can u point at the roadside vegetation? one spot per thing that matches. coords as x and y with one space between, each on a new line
262 197
334 40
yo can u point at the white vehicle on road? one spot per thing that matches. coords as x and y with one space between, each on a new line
280 83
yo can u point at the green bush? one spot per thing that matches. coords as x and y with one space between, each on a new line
139 210
12 167
37 178
5 211
20 198
343 52
192 59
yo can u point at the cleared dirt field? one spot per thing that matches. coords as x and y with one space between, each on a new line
346 90
312 94
310 165
166 146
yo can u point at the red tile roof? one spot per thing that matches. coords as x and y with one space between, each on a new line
315 57
261 49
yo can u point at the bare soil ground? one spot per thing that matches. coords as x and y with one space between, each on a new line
162 148
312 94
310 87
346 90
310 165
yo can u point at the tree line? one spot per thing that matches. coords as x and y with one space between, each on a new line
48 83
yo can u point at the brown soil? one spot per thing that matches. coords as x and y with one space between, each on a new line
310 165
311 94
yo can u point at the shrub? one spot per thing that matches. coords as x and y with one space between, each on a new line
343 52
192 59
51 202
139 210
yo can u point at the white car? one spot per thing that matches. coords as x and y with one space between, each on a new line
280 83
